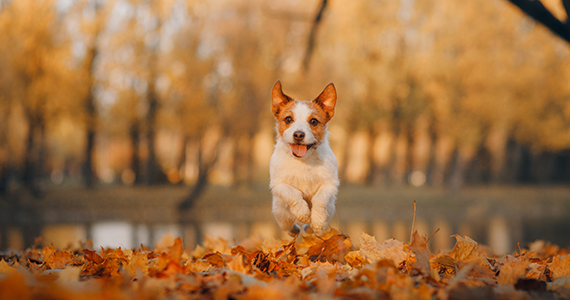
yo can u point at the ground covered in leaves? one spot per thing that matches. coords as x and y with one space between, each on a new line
308 267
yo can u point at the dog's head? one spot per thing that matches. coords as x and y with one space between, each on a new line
302 124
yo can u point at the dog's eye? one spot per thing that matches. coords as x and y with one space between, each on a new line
314 122
288 120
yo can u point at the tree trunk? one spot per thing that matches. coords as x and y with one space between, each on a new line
480 167
181 165
28 174
458 168
242 168
409 152
40 164
196 192
154 173
91 122
87 170
390 168
431 165
134 133
3 180
204 168
372 173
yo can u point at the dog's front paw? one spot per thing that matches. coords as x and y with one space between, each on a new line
318 228
302 213
318 222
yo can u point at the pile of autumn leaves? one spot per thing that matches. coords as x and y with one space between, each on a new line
308 267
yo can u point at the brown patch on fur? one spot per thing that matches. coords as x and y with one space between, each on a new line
284 111
321 115
278 99
327 101
322 107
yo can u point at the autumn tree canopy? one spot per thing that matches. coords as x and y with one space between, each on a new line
146 92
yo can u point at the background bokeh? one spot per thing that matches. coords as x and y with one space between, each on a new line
141 117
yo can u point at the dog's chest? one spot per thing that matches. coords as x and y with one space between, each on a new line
305 176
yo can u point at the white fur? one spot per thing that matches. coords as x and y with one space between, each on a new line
304 189
301 112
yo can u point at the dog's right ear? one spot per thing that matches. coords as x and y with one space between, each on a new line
278 99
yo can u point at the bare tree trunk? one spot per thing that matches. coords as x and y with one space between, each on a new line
350 130
409 151
204 168
29 174
432 153
187 204
181 165
91 124
3 179
480 167
34 155
390 168
313 34
242 168
6 163
134 133
154 173
458 168
372 173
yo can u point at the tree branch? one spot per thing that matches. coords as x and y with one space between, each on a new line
311 42
536 10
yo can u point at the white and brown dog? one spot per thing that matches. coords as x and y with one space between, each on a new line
303 168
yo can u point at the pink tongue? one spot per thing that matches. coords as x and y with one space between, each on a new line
299 150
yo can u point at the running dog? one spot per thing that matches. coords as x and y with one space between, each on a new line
303 169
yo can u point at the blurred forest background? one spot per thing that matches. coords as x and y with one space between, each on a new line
443 93
121 93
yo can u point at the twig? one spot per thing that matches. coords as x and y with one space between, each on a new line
311 42
538 12
413 223
436 231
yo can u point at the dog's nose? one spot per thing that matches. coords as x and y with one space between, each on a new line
298 136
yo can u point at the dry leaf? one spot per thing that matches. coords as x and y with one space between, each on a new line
355 259
332 250
510 273
420 259
138 262
328 268
560 267
373 251
56 259
5 268
465 249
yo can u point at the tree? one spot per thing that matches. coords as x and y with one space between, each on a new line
37 75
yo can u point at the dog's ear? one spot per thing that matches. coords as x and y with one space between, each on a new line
327 100
278 99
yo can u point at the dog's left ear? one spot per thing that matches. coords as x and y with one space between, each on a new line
327 100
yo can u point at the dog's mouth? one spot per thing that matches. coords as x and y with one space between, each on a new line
299 150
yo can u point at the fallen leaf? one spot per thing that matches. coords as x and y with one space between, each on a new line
373 251
138 262
510 273
418 257
198 266
332 250
5 268
56 259
560 267
465 249
444 265
69 275
355 259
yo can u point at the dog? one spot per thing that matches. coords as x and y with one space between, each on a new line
303 168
